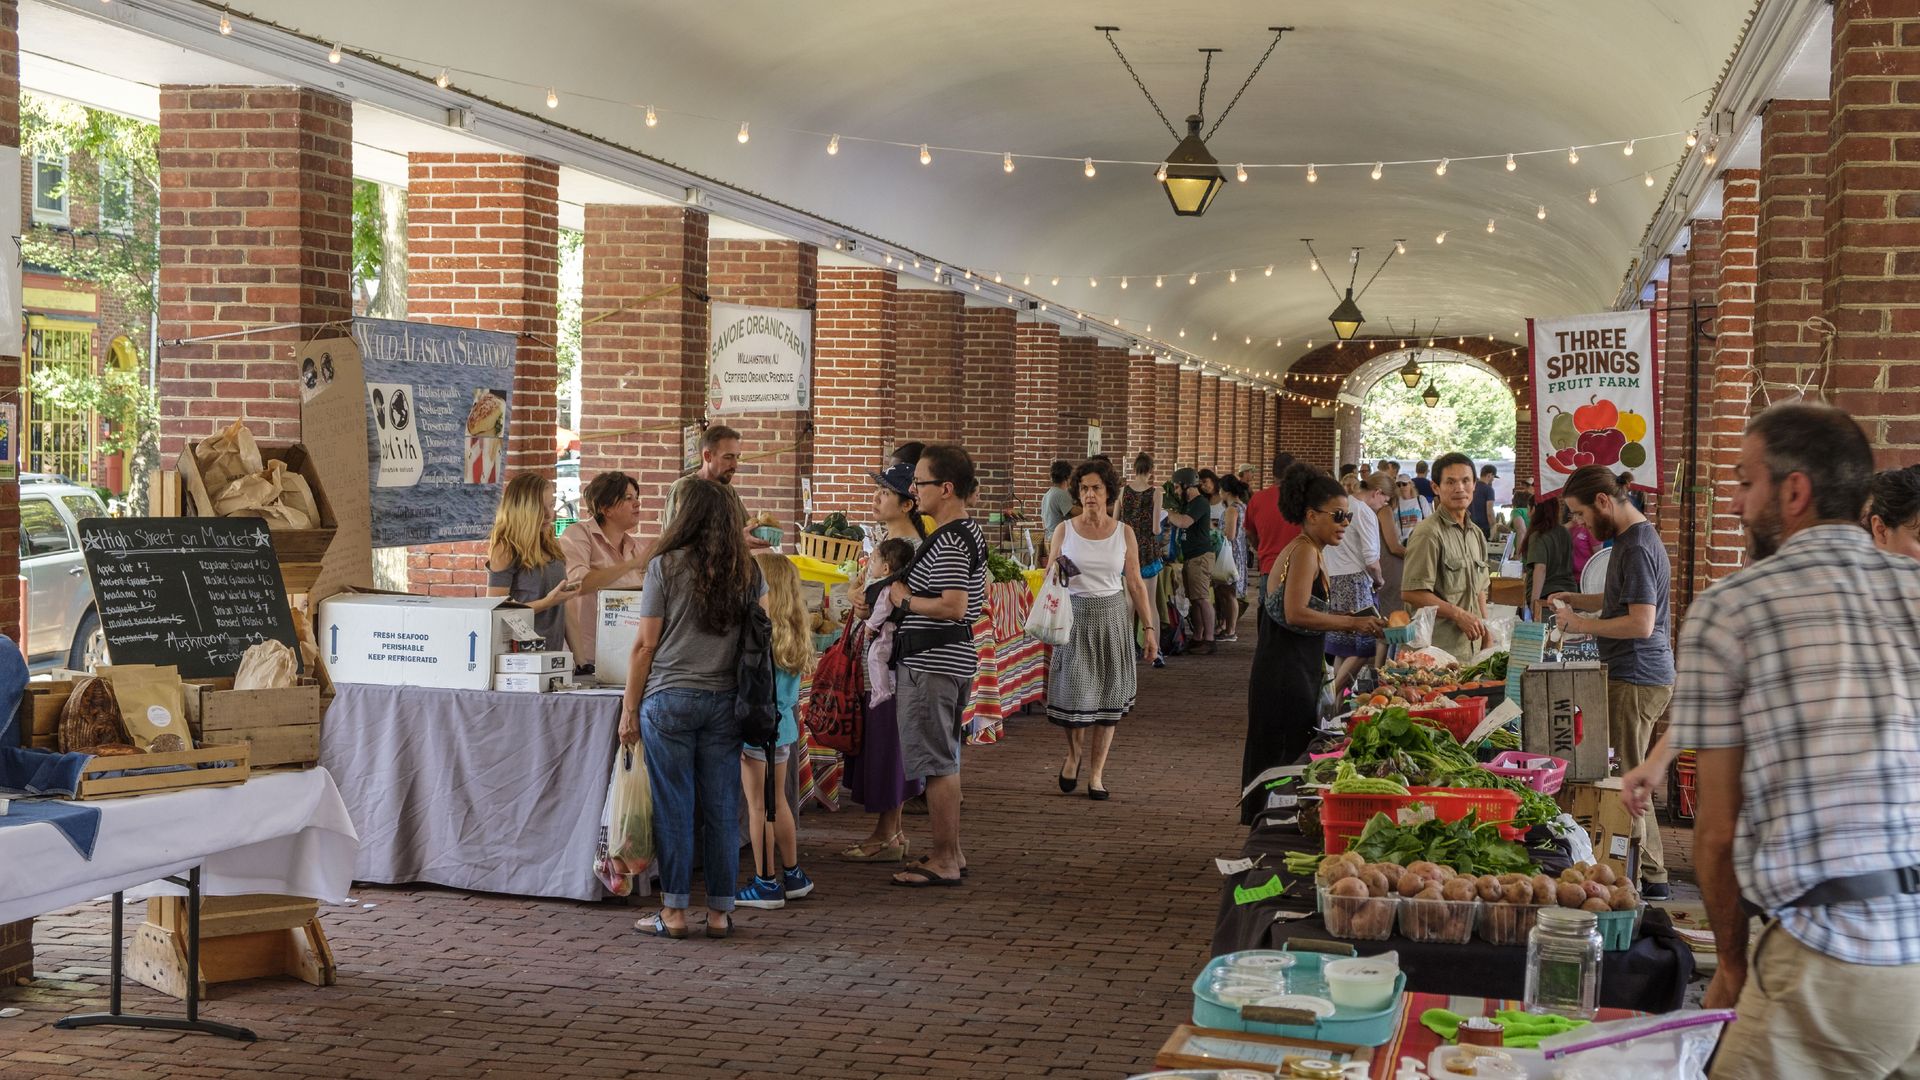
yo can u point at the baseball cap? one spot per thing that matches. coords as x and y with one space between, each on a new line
898 479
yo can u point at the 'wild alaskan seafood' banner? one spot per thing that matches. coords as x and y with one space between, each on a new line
437 400
1596 397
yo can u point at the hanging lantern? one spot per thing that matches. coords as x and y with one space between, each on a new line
1410 375
1191 175
1346 318
1432 396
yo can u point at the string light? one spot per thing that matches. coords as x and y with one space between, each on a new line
1269 269
1159 281
1279 343
1006 161
1160 174
1313 265
1233 276
1193 279
1249 342
1713 150
1441 169
1693 139
1593 196
1183 331
1240 173
1216 335
742 137
1442 238
1087 167
1649 179
1026 279
833 146
996 278
1056 280
969 275
1123 283
226 24
1400 247
443 80
652 120
1511 164
926 156
1093 282
1540 213
1378 168
553 98
333 54
1313 174
1628 149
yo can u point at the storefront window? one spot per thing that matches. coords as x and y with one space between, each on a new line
58 440
50 189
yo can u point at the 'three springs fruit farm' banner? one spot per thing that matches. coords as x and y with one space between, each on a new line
1596 400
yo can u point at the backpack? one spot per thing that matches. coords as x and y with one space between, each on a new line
908 642
754 701
836 713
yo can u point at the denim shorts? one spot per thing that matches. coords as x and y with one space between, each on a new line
780 753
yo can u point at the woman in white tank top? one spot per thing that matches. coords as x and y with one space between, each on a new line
1090 679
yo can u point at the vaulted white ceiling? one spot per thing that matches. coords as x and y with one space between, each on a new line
1356 81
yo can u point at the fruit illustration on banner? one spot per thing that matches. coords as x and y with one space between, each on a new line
1595 415
1633 455
1633 426
1563 433
1561 460
1604 444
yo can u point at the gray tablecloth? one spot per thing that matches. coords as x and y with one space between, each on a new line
493 792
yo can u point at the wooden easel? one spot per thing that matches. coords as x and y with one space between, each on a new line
241 937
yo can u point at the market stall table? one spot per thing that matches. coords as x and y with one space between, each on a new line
474 789
1416 1040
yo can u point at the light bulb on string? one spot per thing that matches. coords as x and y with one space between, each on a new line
1233 276
1511 164
333 54
1160 174
1378 168
1313 264
926 155
1249 339
1628 149
1216 335
1313 174
1400 247
1593 196
1240 173
1183 331
1441 238
996 277
976 286
742 137
833 146
1713 151
652 120
1441 169
969 275
1026 279
1087 167
1541 213
1093 282
226 25
1279 343
1269 269
1159 281
1193 278
1006 162
1123 283
1573 155
1693 139
553 98
443 80
1649 179
1056 280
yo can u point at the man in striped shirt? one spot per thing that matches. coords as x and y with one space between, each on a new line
1799 686
942 597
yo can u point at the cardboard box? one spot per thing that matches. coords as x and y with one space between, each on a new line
541 682
401 640
534 663
300 551
1565 714
280 726
1601 809
619 624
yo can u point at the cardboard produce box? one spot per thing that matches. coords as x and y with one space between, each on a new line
540 682
1565 714
396 639
280 726
559 662
619 624
299 550
1601 809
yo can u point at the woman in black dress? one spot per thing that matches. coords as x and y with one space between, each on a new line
1289 665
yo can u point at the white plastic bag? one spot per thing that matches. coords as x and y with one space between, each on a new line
1420 630
630 847
1051 620
1671 1046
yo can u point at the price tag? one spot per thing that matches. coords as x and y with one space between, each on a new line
1230 867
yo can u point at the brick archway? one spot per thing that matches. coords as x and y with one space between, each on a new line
1312 409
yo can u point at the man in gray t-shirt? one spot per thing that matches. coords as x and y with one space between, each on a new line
1057 506
1632 630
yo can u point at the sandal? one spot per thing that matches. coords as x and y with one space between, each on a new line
923 877
655 926
965 871
722 931
894 850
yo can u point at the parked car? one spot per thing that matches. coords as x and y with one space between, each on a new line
62 627
566 487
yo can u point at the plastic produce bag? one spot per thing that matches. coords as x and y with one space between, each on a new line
630 813
1671 1046
1420 630
1051 620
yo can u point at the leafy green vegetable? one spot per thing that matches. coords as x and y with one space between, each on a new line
1467 845
1003 568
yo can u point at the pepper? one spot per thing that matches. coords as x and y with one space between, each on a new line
1604 444
1561 460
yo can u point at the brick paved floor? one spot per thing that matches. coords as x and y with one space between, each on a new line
1068 953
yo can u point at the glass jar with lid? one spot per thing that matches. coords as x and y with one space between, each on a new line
1563 964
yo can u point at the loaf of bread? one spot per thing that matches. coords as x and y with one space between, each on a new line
91 717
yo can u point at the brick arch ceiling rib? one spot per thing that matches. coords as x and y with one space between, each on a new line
1362 80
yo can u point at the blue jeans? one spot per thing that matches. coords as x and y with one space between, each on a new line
693 759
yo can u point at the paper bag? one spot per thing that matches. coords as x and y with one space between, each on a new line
266 666
153 704
227 457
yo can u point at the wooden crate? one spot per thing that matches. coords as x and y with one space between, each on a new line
279 726
16 952
827 549
214 766
300 550
40 709
164 494
241 937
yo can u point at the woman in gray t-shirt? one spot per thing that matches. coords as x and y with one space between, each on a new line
524 560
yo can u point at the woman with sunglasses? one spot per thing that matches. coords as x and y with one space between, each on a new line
1289 665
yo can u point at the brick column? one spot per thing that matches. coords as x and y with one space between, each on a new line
1168 422
1194 420
483 251
10 373
985 430
1733 377
1112 389
256 217
1703 289
853 384
1207 451
643 344
1075 398
775 448
1872 288
1244 429
931 385
1036 419
1792 242
1143 399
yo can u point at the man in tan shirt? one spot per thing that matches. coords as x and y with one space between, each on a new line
1446 564
719 459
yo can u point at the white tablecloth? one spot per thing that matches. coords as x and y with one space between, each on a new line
493 792
285 833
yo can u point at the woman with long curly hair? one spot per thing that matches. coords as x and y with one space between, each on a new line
680 697
524 559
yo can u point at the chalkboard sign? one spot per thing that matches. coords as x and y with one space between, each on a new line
192 592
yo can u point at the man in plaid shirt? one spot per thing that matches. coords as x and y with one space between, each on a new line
1799 686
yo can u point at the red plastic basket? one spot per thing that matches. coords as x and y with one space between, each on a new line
1513 764
1458 721
1343 817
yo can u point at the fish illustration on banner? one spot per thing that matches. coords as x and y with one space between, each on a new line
1596 396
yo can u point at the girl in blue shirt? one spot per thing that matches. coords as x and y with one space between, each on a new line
793 659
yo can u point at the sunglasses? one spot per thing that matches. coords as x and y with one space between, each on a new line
1340 517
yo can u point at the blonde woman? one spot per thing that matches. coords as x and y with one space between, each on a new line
792 661
524 560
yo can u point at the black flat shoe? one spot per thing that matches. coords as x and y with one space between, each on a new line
1098 794
1068 783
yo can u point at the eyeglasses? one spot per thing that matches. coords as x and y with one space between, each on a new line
928 483
1340 517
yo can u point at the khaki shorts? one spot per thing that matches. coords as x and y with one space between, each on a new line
1197 575
930 711
1803 1013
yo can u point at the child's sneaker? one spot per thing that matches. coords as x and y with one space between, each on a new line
762 893
795 883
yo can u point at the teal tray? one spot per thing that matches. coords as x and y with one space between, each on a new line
1344 1026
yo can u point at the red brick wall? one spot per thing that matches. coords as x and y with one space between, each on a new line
1305 436
985 430
256 216
853 384
483 251
1688 441
1036 387
642 369
1246 428
1168 422
1732 368
1873 222
1792 242
1195 420
1207 453
775 449
1673 386
1143 399
10 365
932 375
1116 435
1075 396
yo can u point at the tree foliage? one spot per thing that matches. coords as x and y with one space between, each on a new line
567 336
379 263
102 149
117 395
1475 416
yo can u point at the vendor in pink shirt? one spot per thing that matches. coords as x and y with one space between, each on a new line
602 553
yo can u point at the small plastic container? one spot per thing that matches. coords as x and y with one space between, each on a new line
1509 924
770 533
1362 983
1518 765
1563 964
1444 922
1358 918
1619 928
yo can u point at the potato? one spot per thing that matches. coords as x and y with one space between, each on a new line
1411 883
1488 887
1544 889
1596 904
1572 875
1349 886
1518 892
1604 875
1458 889
1447 873
1374 920
1376 882
1623 898
1332 870
1597 891
1508 879
1423 868
1571 895
1431 892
